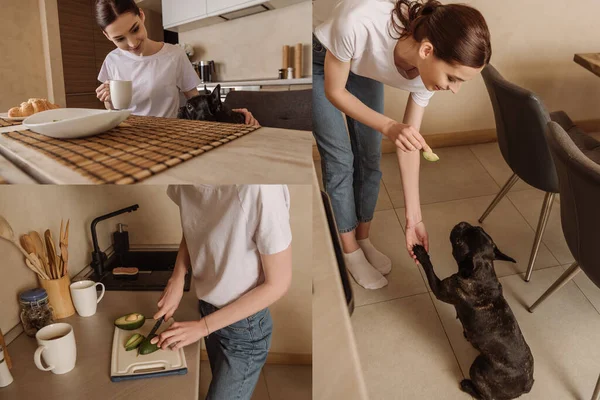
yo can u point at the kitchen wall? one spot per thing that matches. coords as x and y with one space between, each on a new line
156 222
532 45
250 47
22 65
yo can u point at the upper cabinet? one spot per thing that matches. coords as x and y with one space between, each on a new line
183 15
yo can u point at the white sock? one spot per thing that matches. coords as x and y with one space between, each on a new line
380 261
363 272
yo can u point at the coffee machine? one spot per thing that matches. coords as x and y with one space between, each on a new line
206 71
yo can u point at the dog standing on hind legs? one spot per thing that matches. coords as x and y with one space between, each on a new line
504 369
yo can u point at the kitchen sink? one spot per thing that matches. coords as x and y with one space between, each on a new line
155 268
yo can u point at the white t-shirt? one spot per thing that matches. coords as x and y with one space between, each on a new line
226 228
157 79
360 32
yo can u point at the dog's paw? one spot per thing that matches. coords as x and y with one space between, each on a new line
420 252
466 385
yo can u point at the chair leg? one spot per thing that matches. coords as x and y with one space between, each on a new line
544 215
509 184
560 282
596 395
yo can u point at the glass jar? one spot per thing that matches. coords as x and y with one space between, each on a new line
36 312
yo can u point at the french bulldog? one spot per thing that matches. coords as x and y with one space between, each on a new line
208 106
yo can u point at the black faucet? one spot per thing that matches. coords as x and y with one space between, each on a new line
99 257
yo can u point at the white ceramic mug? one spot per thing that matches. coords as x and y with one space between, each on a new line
57 348
120 94
85 298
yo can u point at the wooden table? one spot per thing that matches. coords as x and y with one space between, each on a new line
589 61
267 155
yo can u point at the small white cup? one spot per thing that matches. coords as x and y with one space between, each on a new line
85 298
120 94
57 348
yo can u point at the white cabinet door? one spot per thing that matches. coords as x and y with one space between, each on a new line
175 12
213 6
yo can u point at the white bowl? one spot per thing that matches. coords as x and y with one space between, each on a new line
70 123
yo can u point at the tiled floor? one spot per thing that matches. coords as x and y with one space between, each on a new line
276 382
411 345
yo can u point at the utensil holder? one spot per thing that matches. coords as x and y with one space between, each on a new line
59 296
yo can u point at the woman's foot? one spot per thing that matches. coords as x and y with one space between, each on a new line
364 273
377 259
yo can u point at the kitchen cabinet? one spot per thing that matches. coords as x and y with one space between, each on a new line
213 6
177 12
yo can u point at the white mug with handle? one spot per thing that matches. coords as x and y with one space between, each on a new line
85 298
57 348
121 93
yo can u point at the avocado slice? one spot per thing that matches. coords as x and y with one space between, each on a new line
130 322
430 156
146 347
134 341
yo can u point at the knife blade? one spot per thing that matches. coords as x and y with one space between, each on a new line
155 328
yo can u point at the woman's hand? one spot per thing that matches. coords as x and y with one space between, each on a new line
250 120
405 137
181 334
416 234
103 92
169 301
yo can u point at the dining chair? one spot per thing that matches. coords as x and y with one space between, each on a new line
577 160
289 109
521 120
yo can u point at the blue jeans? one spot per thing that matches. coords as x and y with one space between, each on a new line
237 354
349 158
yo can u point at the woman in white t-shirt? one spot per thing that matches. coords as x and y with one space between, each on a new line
237 243
158 71
420 48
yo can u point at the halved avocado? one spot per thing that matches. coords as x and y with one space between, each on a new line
146 347
130 322
430 156
134 341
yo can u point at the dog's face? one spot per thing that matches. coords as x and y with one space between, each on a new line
472 242
207 106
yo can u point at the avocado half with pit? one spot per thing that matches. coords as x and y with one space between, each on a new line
130 322
146 347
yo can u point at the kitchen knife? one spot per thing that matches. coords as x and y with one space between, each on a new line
155 328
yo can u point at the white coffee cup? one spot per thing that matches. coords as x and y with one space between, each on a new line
85 298
57 348
120 94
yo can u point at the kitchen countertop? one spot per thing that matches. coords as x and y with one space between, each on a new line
337 373
261 82
267 155
90 379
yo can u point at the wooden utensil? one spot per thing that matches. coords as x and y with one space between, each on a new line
35 265
52 257
7 233
64 244
40 249
6 356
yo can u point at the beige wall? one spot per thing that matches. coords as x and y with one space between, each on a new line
250 47
22 65
156 222
533 43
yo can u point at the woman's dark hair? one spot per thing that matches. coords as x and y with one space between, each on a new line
458 33
107 11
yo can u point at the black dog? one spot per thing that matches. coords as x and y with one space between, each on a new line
208 106
504 369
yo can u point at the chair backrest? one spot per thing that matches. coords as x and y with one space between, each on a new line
521 125
290 109
579 185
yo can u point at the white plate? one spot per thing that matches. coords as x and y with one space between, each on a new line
70 123
6 117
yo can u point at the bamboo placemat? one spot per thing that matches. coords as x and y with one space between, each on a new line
7 122
135 150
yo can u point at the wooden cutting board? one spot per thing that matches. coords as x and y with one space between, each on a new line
127 365
6 356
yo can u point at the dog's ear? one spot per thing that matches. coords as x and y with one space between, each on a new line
216 93
498 255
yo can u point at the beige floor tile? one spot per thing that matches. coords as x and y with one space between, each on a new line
457 175
562 335
589 289
383 201
505 225
490 156
289 382
529 204
260 391
404 279
404 351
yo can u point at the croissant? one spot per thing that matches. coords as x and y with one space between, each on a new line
30 107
